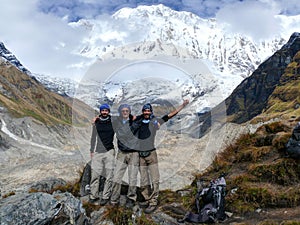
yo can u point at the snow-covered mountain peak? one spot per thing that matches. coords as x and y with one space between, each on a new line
159 18
6 55
159 11
157 32
148 31
294 37
62 86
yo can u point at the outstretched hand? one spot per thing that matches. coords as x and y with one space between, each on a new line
172 114
185 102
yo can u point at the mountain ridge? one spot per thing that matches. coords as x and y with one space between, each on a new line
208 39
10 57
257 99
23 95
257 89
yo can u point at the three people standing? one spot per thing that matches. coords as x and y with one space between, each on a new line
135 138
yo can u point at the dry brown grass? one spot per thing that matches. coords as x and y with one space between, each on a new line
24 96
258 171
9 194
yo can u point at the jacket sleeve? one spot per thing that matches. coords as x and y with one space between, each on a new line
163 119
93 138
136 124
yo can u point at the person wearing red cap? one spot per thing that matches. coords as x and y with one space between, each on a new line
102 154
145 127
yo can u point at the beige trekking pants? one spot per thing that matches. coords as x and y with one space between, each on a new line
125 160
150 176
102 165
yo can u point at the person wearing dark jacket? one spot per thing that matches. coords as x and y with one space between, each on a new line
102 154
127 157
145 127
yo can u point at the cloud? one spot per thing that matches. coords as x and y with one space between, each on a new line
291 7
42 42
39 34
76 9
253 18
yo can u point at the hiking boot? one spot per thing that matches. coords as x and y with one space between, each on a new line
103 201
144 204
150 209
129 204
94 201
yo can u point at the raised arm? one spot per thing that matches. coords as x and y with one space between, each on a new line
172 114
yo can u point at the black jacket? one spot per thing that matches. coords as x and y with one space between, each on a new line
102 135
145 131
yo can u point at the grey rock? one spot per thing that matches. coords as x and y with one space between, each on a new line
97 217
162 218
4 145
184 192
41 208
47 185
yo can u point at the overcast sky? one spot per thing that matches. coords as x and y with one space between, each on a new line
37 31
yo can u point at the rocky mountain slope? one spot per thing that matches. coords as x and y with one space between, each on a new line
254 95
250 98
264 178
262 183
23 96
8 56
36 130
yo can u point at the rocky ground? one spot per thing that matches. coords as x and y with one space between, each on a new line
36 159
32 151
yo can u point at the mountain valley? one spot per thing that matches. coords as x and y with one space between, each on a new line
244 103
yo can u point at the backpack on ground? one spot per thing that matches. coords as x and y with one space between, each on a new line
85 180
293 145
210 203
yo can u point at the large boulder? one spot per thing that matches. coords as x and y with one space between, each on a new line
41 208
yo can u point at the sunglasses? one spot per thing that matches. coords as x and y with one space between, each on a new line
125 110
